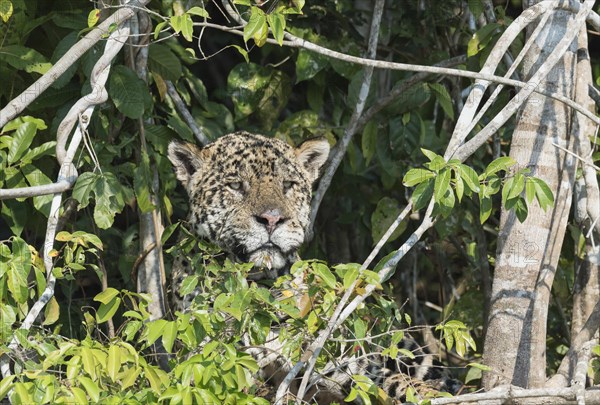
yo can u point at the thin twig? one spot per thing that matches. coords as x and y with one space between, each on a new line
581 159
185 113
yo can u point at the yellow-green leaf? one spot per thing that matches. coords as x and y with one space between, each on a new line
51 312
91 388
113 363
93 17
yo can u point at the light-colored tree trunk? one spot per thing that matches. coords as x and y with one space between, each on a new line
587 210
528 252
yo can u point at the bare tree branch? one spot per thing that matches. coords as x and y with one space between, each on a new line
516 395
185 113
19 103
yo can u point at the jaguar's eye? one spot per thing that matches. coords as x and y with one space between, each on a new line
235 185
287 185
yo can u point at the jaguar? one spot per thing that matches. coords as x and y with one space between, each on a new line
250 195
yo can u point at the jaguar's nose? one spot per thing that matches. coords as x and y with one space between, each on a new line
271 219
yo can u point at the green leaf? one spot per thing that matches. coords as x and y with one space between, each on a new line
517 187
142 177
441 185
443 97
36 177
502 163
163 61
79 395
51 312
476 7
130 377
93 17
350 277
91 388
199 11
521 209
430 154
107 295
369 141
542 193
127 91
459 187
18 270
187 27
485 208
158 29
89 362
6 11
308 64
242 52
325 274
529 190
416 176
176 22
155 329
110 196
107 311
385 214
256 24
6 385
277 23
481 38
169 335
479 366
422 195
44 149
23 58
506 189
113 362
21 141
469 176
437 164
188 285
84 186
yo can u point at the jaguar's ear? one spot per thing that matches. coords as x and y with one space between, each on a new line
186 159
312 154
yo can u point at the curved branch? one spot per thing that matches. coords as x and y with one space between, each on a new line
98 80
19 103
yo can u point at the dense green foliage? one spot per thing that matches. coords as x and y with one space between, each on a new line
229 84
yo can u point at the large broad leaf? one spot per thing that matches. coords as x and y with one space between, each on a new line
384 215
443 97
23 58
19 268
277 24
162 60
127 91
35 177
247 83
308 64
21 141
141 184
109 194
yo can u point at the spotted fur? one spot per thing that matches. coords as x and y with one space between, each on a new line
251 195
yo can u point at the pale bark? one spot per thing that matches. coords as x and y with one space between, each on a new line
587 210
528 252
151 277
